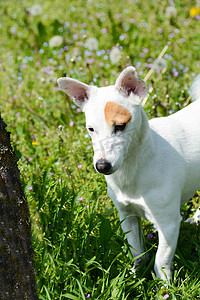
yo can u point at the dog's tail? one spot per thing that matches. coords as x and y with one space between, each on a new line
195 89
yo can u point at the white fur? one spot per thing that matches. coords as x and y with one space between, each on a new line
155 164
195 89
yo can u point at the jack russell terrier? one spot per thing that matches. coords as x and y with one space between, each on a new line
151 167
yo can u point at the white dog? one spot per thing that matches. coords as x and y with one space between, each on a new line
151 167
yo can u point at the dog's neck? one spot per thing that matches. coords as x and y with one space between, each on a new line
141 149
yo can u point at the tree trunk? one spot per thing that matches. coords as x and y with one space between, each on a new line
17 276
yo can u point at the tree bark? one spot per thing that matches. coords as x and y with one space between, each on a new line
17 275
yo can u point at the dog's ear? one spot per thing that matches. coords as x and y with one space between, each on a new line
129 82
76 89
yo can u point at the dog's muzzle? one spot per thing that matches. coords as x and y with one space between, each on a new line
103 166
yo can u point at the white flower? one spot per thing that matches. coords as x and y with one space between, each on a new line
115 55
159 64
56 41
35 10
91 43
170 11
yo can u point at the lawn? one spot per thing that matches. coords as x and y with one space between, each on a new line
80 250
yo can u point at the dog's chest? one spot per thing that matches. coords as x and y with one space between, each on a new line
128 203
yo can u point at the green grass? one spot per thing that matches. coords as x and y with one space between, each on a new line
80 250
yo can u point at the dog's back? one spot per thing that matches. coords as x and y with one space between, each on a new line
182 132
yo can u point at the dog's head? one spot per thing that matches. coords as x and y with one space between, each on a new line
112 115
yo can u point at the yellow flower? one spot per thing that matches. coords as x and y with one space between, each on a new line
35 143
194 11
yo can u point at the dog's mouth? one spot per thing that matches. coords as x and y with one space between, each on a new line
106 173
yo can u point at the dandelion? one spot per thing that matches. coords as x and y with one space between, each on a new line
55 41
35 10
159 64
165 296
194 11
170 11
35 143
91 43
115 55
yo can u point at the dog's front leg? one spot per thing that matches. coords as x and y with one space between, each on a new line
132 227
168 236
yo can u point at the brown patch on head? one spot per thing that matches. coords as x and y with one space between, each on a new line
116 114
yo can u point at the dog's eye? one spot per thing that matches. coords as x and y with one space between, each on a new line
91 129
120 127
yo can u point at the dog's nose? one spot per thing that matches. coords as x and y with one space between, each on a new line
103 166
